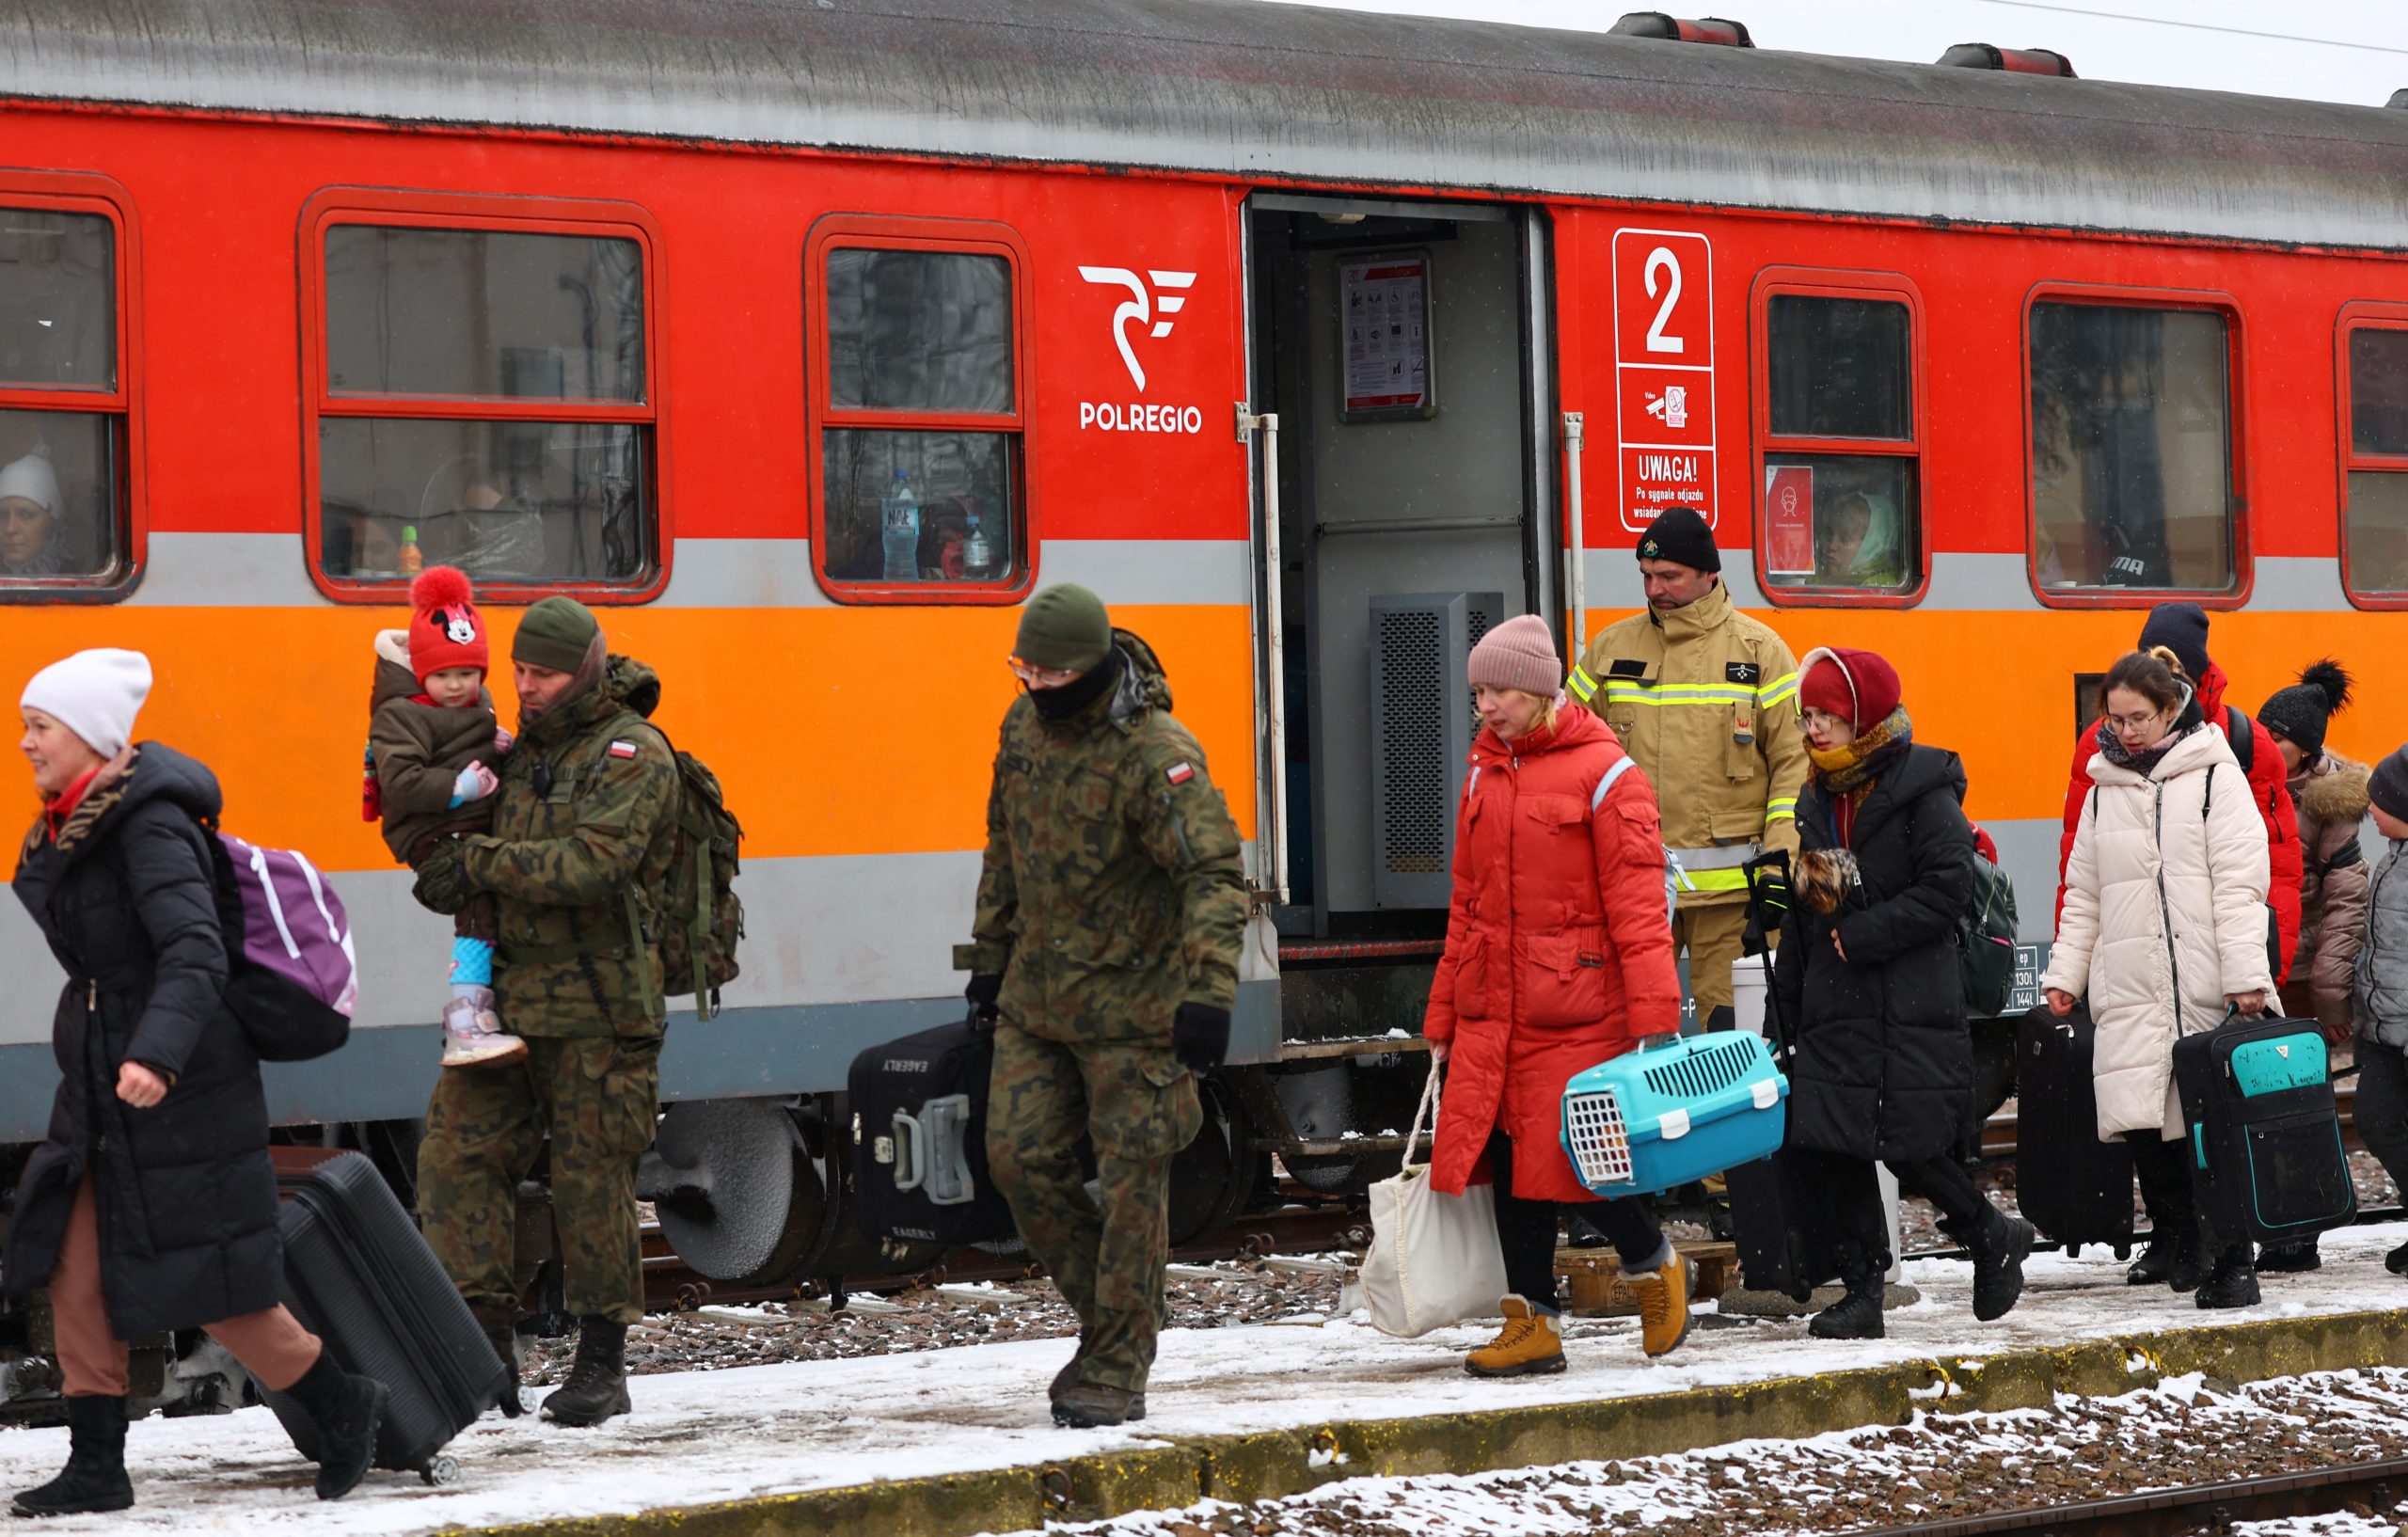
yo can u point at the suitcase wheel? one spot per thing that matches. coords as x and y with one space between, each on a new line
439 1471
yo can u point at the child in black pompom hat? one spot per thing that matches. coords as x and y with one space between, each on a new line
432 735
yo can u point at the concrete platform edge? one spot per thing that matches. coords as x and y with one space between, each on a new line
1272 1464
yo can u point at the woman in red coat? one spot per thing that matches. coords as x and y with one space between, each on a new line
1559 957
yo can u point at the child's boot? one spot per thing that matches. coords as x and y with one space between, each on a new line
472 1036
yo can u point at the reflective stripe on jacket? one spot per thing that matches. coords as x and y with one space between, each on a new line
1706 698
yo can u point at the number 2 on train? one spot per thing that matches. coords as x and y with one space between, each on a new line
1657 340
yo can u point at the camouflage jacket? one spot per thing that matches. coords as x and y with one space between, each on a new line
582 829
1112 889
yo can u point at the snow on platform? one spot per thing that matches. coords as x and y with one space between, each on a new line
699 1439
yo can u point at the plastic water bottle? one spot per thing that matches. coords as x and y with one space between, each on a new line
977 560
899 529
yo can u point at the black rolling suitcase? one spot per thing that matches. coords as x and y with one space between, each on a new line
2265 1138
358 1275
1778 1252
2073 1187
919 1131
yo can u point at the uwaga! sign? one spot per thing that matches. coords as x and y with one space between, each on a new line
1155 299
1664 373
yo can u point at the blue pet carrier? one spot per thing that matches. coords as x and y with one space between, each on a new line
1653 1118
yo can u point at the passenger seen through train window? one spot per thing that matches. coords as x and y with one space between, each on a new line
2376 526
2131 448
61 495
915 334
473 316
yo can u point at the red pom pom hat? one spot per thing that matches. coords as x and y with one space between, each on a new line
1859 687
446 630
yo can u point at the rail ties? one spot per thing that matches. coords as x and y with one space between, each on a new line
2376 1487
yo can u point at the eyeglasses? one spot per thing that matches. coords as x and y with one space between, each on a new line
1043 677
2132 725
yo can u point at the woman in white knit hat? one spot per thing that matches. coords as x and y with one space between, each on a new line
1559 957
31 536
150 1208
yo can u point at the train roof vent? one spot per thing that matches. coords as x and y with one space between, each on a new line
1655 24
2399 99
1981 55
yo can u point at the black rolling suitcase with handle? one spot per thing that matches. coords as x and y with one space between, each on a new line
357 1275
2073 1187
919 1138
1778 1251
2265 1141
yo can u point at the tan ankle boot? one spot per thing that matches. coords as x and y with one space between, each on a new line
1530 1346
1663 1306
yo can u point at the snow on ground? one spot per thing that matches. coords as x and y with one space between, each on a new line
701 1438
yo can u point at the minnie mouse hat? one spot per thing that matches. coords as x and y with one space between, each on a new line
446 630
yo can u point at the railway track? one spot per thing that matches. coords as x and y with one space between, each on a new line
2371 1488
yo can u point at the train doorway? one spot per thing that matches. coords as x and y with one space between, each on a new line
1404 350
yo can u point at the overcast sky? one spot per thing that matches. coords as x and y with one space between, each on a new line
2358 52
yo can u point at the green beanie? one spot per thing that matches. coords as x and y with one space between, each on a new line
555 633
1064 626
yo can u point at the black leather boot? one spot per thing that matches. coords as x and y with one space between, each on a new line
2233 1281
596 1389
2155 1263
501 1331
94 1478
2192 1256
2000 1243
2396 1261
347 1409
2290 1258
1855 1316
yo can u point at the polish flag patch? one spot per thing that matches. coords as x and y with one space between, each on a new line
622 749
1180 773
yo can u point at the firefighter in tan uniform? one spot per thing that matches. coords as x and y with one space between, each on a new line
1706 698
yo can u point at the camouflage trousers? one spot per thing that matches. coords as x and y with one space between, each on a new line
1139 1105
597 1097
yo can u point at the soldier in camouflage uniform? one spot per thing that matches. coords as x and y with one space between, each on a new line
582 832
1110 911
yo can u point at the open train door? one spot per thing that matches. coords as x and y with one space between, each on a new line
1402 407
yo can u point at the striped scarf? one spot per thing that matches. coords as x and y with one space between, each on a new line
1847 772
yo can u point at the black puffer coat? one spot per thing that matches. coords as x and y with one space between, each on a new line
1885 1064
127 897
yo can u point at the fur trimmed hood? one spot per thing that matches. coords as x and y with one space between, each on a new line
2333 789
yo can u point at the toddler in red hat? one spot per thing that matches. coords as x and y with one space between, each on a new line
430 729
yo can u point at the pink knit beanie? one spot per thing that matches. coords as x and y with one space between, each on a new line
1518 653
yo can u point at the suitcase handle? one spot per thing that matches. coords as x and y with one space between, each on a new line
911 1151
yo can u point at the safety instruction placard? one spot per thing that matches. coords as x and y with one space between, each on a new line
1383 317
1664 373
1789 520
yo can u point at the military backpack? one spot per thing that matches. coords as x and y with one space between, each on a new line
702 919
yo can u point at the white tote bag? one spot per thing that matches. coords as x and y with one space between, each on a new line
1433 1258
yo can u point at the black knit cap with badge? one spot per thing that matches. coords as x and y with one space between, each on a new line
1679 534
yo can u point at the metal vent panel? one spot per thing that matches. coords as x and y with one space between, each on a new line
1422 727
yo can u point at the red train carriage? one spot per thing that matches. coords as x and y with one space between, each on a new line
1313 340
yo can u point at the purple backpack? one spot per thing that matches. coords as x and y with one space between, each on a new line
293 978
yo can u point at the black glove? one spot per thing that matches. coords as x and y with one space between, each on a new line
982 992
1200 1034
443 885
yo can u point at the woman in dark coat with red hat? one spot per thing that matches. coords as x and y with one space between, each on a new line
1868 972
1559 957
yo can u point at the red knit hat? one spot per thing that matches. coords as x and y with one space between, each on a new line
1859 687
446 630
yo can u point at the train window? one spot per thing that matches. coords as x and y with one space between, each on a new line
2131 448
1840 518
63 409
920 443
2374 526
482 403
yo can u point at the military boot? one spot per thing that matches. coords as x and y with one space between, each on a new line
501 1325
1085 1405
94 1478
347 1410
1530 1346
1068 1377
598 1380
1856 1316
2000 1243
2233 1281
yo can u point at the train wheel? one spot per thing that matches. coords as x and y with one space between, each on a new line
738 1195
1212 1176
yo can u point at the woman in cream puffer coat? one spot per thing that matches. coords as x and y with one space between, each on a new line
2165 929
